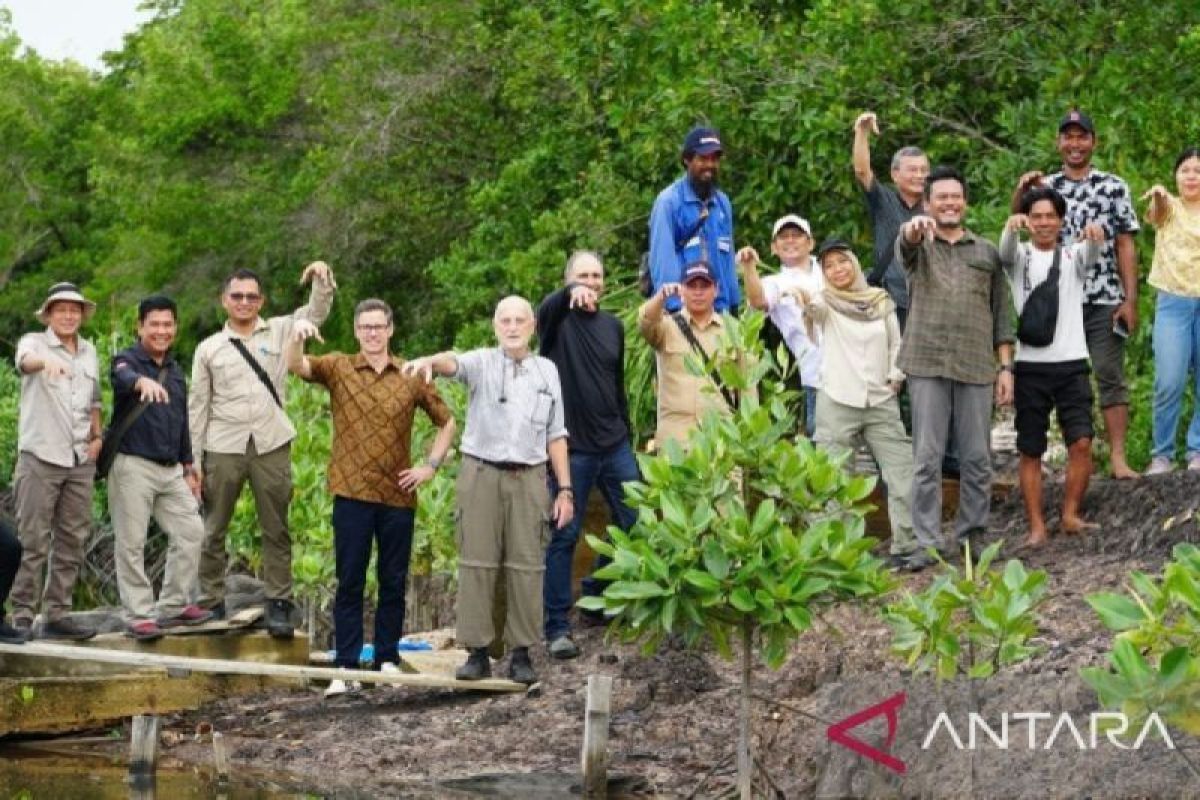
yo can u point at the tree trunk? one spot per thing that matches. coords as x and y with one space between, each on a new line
745 763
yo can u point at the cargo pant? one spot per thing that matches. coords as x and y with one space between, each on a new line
54 518
139 489
270 476
503 525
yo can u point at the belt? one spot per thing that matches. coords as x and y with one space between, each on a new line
506 466
163 462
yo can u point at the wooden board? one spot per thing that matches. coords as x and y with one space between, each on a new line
225 667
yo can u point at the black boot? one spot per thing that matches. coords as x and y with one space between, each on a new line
11 635
519 668
279 619
477 667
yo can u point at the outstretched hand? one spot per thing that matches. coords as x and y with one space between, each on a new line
150 390
318 271
583 297
303 330
421 367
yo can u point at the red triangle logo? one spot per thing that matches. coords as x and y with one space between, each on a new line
838 732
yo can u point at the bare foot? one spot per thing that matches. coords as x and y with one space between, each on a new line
1036 540
1073 526
1122 472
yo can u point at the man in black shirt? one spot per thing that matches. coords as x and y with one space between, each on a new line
152 474
588 347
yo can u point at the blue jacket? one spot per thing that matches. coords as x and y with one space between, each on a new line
676 211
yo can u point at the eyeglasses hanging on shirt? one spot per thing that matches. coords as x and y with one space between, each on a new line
543 391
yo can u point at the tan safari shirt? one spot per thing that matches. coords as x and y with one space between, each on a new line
228 404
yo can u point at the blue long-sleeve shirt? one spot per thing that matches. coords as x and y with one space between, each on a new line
676 211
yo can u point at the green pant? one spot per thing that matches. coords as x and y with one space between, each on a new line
270 476
503 523
882 429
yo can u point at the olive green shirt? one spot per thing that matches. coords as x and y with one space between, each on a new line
958 308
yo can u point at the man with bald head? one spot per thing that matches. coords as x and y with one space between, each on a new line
588 347
514 426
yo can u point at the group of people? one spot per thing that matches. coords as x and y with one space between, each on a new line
543 429
176 456
933 322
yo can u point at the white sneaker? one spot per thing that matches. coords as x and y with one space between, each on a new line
338 687
1194 462
1160 465
389 668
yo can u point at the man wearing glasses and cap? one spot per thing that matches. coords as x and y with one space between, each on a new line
692 220
240 431
58 441
683 398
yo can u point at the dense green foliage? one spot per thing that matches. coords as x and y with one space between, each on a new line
442 154
973 622
1153 660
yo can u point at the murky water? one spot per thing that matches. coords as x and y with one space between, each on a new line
28 773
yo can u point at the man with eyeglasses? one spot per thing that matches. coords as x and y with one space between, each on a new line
241 432
371 475
505 515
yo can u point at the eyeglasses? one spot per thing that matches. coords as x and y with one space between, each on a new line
245 297
372 328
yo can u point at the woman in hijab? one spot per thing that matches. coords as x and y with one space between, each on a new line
859 384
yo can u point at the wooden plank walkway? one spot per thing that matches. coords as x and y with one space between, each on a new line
225 667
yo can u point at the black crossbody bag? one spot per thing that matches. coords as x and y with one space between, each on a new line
1039 315
113 436
731 396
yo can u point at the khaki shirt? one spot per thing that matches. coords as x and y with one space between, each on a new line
228 404
683 398
55 417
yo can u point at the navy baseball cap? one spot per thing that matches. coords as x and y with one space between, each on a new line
831 244
1077 117
702 141
699 270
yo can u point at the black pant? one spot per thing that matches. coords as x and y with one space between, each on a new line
356 524
10 561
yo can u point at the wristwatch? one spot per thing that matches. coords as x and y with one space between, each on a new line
1005 368
433 463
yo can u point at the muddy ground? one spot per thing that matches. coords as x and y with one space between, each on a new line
674 713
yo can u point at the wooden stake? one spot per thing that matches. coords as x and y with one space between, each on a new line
595 737
220 756
143 745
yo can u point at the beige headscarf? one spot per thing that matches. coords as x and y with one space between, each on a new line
861 301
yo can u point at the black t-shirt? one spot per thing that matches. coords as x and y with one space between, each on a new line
588 347
160 433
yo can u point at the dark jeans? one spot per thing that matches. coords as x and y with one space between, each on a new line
356 524
607 471
10 561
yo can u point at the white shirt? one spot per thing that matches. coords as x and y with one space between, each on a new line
860 357
1027 267
788 316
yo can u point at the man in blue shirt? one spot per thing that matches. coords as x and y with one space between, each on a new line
692 221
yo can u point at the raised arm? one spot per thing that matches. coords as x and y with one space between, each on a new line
748 261
651 313
864 126
320 298
1160 205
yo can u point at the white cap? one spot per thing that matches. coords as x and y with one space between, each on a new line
791 219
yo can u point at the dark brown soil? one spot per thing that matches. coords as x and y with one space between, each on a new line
674 722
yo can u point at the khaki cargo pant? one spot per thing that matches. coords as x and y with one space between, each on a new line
270 476
54 518
137 490
503 523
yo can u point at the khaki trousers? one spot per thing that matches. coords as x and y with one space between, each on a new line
270 476
54 518
882 429
137 490
503 523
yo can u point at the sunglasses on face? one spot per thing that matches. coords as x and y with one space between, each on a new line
245 297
